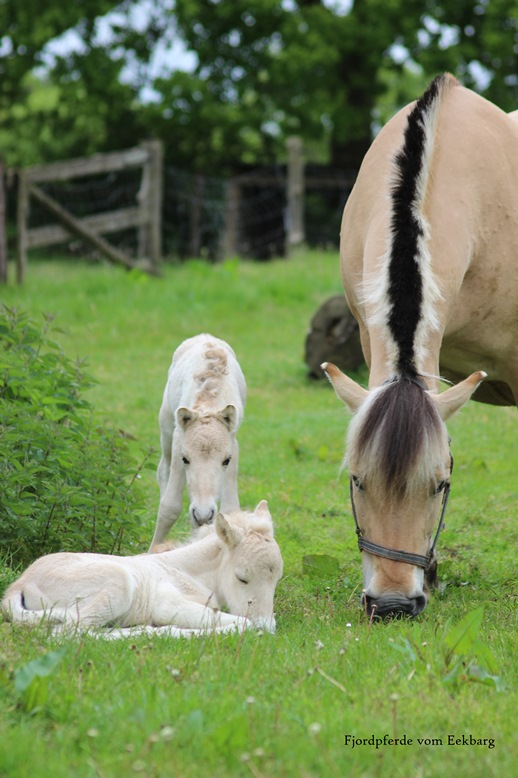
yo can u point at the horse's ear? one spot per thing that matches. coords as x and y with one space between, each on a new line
229 417
184 416
227 532
349 392
452 400
263 511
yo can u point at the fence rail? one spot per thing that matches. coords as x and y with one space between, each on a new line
145 216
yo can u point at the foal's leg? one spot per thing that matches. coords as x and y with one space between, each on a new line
171 496
229 491
172 608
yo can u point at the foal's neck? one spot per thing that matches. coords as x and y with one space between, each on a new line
200 557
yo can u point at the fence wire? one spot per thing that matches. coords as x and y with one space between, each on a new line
197 211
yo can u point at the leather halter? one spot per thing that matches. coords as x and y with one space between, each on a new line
398 555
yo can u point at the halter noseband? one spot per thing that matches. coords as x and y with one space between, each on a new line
397 555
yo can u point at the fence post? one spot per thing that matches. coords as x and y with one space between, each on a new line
230 242
3 225
150 198
295 232
22 217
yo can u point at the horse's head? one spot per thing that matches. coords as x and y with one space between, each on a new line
251 565
399 463
206 453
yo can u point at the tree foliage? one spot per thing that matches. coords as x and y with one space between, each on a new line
265 69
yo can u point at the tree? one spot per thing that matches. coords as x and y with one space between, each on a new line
64 105
268 69
323 69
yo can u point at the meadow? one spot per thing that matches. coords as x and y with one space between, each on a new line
329 694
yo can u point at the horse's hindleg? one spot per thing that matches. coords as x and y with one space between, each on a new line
229 490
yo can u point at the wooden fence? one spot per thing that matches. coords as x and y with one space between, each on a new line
145 215
184 213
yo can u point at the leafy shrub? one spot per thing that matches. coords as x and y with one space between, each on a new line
65 483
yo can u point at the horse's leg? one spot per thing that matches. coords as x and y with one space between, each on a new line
229 490
172 608
171 498
166 444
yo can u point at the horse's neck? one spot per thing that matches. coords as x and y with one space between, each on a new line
201 558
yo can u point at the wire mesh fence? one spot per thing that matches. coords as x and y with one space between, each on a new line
206 216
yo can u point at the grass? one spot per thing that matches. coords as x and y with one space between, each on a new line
271 705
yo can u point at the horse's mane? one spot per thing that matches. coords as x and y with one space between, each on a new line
411 287
397 435
244 520
210 376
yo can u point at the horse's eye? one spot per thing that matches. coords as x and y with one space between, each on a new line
226 462
185 461
241 580
356 481
440 487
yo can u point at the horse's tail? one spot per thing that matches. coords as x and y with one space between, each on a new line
12 604
412 289
13 609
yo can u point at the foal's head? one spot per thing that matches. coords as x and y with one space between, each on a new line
399 463
251 565
206 454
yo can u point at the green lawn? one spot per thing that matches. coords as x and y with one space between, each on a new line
272 705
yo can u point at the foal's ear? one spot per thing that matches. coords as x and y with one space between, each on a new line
452 400
184 416
349 392
227 532
229 417
263 511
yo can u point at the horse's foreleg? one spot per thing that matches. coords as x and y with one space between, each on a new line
229 491
172 608
171 498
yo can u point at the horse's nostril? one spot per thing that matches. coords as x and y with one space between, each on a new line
199 520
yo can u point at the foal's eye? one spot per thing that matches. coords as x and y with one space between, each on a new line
226 462
241 580
440 487
185 461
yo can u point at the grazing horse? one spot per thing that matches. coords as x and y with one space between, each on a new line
201 411
428 258
234 562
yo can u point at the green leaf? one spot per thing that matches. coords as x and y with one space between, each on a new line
322 565
31 680
462 636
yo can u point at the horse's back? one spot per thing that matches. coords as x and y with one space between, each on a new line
200 357
469 207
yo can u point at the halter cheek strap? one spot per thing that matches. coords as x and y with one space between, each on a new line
397 555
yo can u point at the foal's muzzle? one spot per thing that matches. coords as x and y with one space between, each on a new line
393 606
199 518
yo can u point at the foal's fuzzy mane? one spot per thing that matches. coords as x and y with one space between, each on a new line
209 378
246 520
397 438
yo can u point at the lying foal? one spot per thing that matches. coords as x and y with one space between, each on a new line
234 563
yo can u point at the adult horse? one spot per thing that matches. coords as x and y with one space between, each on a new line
428 257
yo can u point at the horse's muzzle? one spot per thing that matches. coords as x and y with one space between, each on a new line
202 517
393 606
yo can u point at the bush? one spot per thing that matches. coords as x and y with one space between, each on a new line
65 483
